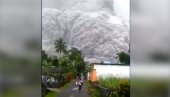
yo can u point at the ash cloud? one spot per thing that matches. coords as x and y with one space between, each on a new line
99 34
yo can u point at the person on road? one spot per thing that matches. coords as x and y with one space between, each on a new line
80 83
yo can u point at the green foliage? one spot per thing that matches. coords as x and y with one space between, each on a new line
111 82
124 89
74 53
113 94
76 60
55 62
44 56
70 61
119 87
92 91
45 67
124 58
60 46
51 94
65 86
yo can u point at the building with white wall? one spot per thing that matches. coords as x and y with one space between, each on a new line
108 70
112 70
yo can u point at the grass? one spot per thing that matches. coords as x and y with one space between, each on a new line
119 87
66 85
51 94
112 82
92 91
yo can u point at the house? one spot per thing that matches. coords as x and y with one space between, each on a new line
103 70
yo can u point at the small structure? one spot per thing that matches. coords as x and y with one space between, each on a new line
92 73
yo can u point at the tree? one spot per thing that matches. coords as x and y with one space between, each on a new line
60 46
55 62
45 67
77 61
124 58
75 55
44 56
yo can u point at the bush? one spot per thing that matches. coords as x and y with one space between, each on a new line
124 89
111 82
93 92
113 94
118 87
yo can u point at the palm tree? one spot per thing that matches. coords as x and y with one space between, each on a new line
60 46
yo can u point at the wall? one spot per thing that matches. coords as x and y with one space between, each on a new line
112 70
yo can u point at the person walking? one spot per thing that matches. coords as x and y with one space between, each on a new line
80 83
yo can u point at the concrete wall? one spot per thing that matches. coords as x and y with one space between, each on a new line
112 70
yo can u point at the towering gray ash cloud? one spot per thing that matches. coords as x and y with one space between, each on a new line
99 34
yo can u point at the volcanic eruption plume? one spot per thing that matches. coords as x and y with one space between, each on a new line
89 25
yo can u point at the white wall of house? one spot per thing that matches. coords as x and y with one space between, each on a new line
112 70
